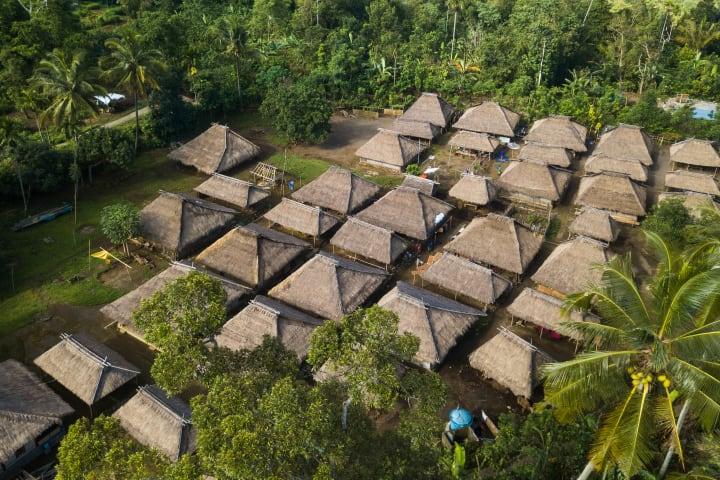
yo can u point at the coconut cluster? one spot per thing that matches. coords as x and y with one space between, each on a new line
644 378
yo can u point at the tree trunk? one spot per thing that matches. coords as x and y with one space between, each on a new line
76 174
237 77
137 123
22 188
671 450
587 471
452 44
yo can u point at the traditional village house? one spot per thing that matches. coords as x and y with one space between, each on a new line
232 191
490 118
614 193
532 183
474 190
571 266
391 150
301 218
473 143
217 149
338 189
430 108
558 131
595 223
369 241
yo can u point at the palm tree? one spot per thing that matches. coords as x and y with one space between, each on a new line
657 347
698 35
135 68
230 35
10 136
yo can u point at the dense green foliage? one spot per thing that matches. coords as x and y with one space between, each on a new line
669 219
104 146
119 222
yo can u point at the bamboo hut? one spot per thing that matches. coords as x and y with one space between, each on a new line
546 155
474 190
473 143
369 241
571 266
558 131
631 168
217 149
694 152
302 218
339 190
233 191
424 131
425 185
158 421
615 193
692 182
329 287
626 143
498 241
86 367
489 117
430 108
252 255
437 321
391 150
596 224
533 181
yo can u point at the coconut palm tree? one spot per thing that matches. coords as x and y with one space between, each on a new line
10 136
698 35
230 34
656 349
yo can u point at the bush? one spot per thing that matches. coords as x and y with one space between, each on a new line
170 116
119 222
105 146
43 169
669 219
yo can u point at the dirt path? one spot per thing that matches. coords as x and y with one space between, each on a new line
130 117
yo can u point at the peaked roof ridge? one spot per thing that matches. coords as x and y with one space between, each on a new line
431 300
269 304
88 352
184 198
235 180
346 264
163 403
191 267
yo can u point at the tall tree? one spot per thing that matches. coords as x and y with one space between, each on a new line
229 33
10 137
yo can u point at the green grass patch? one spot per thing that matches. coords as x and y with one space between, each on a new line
299 167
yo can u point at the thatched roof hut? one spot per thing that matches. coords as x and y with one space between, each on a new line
691 200
302 218
545 311
409 212
437 321
473 141
534 180
626 142
28 408
390 150
425 185
409 128
232 191
181 224
431 108
692 182
266 316
545 155
369 241
217 149
701 153
338 189
595 223
489 117
598 163
86 367
570 267
510 361
474 189
329 286
558 131
252 255
616 193
465 277
158 421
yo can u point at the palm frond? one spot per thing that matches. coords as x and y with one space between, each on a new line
585 394
665 413
689 301
705 342
603 447
600 335
706 409
632 448
690 378
619 283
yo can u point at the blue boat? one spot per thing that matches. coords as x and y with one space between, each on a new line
42 217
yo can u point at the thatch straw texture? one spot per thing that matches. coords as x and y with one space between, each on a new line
233 191
425 185
692 151
692 182
477 142
158 422
302 218
597 224
181 224
217 149
329 286
265 316
390 150
409 128
252 254
86 367
474 189
338 189
545 155
407 211
571 266
534 180
437 321
616 193
545 311
558 131
431 108
369 241
498 241
462 276
510 361
28 407
691 200
626 142
489 117
598 163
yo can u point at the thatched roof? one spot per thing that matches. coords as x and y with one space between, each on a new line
425 185
159 422
558 131
217 149
595 223
545 155
534 180
413 129
430 107
474 189
498 241
510 361
545 311
329 286
369 241
180 224
616 193
691 200
28 407
407 211
598 163
302 218
626 142
692 182
390 149
338 189
86 367
489 117
692 151
570 267
252 254
465 277
437 321
266 316
232 190
478 142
